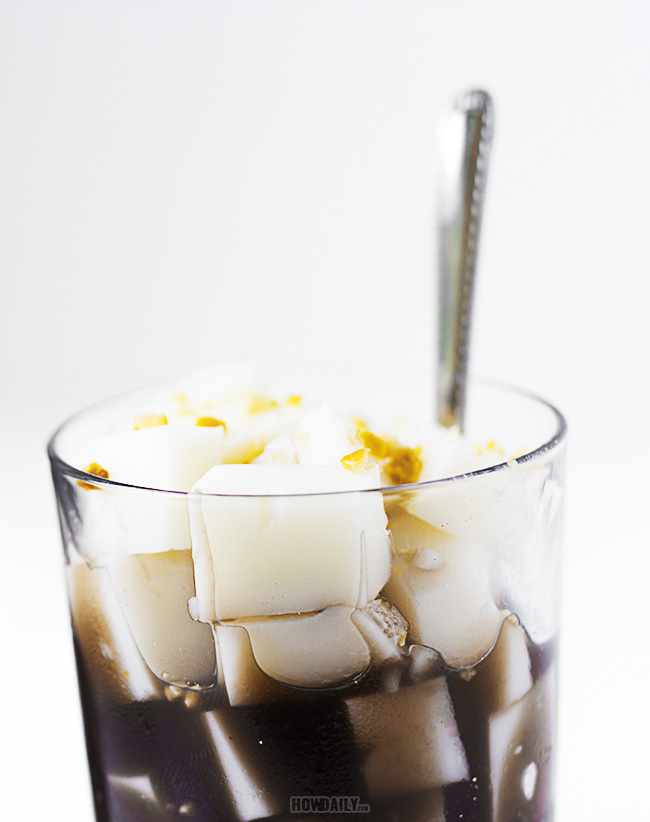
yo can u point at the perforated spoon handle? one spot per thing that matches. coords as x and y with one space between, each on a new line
465 144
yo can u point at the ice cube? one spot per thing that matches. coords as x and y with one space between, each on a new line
448 603
409 739
153 590
267 552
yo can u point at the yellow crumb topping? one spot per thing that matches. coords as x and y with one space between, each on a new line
97 471
400 464
356 460
260 403
490 447
294 399
376 445
360 424
210 422
149 421
404 465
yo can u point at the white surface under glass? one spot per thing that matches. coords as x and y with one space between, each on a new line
164 162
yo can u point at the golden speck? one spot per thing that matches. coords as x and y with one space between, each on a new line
490 447
210 422
356 460
360 424
97 471
260 403
149 421
404 465
376 445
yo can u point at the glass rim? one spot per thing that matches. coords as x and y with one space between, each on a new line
547 446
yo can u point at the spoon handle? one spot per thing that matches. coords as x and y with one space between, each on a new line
465 147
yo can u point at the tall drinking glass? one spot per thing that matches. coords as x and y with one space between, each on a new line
401 664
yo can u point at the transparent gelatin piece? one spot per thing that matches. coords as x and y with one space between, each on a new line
159 762
271 754
409 740
521 740
106 650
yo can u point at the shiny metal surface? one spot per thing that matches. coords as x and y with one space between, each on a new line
464 148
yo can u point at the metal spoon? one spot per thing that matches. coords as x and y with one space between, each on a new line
464 147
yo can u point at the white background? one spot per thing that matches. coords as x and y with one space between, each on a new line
188 181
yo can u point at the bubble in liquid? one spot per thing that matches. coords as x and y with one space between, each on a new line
193 607
529 780
106 652
428 559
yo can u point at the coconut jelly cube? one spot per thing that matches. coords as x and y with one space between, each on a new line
118 520
169 457
280 451
244 681
320 650
153 590
304 651
115 665
323 437
270 540
441 585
